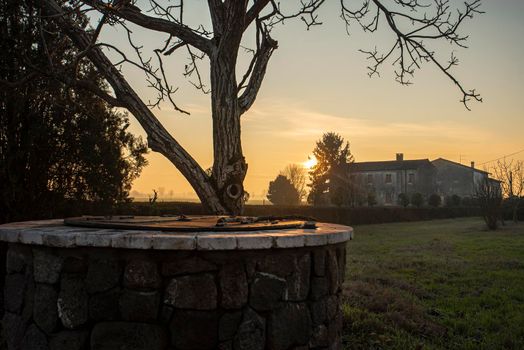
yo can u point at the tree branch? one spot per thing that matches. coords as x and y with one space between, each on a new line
159 139
179 30
260 59
413 28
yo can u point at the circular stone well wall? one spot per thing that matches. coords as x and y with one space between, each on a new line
79 288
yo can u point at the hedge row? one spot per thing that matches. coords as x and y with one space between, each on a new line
346 216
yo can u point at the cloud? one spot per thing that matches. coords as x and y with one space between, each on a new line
292 121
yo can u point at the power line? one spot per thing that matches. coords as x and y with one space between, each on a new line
507 155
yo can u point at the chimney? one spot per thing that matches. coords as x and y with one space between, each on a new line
400 157
473 165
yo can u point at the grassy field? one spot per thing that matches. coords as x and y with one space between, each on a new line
444 284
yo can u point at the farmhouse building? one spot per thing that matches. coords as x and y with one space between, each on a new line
457 179
388 179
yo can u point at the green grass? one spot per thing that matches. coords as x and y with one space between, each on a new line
444 284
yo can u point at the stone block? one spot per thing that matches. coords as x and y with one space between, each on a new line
69 340
14 289
339 237
341 260
45 313
34 339
73 264
281 265
102 275
72 302
17 258
172 241
319 287
298 282
141 274
318 311
47 266
251 332
194 330
316 239
139 306
104 306
189 265
198 292
254 241
319 338
332 307
13 330
266 291
166 312
288 326
228 325
319 262
288 240
216 242
332 271
128 335
59 237
227 345
233 286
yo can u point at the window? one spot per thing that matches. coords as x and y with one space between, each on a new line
370 179
388 178
389 197
411 178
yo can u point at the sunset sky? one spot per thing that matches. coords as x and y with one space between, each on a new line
316 82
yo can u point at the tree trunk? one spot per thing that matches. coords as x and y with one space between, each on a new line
229 166
223 192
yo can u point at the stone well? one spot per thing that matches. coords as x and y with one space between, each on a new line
91 288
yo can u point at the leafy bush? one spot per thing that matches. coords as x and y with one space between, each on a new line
434 200
403 200
282 192
417 199
372 199
453 201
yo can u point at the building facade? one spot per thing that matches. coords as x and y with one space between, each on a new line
457 179
386 180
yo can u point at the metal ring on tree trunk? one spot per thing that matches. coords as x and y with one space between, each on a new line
234 191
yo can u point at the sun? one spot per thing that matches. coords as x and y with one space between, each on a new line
310 162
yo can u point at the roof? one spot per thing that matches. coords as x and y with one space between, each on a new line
390 165
461 165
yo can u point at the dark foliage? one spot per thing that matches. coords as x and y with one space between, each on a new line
330 181
343 215
403 200
417 199
282 192
434 200
489 198
453 201
59 146
371 199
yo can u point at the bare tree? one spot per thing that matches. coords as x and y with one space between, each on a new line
415 25
296 174
511 175
490 201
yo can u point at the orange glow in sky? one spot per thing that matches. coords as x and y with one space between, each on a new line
310 162
316 82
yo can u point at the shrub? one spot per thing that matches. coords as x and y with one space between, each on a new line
403 200
417 199
453 201
434 200
372 199
490 202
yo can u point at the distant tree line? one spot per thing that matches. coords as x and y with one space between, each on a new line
59 144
